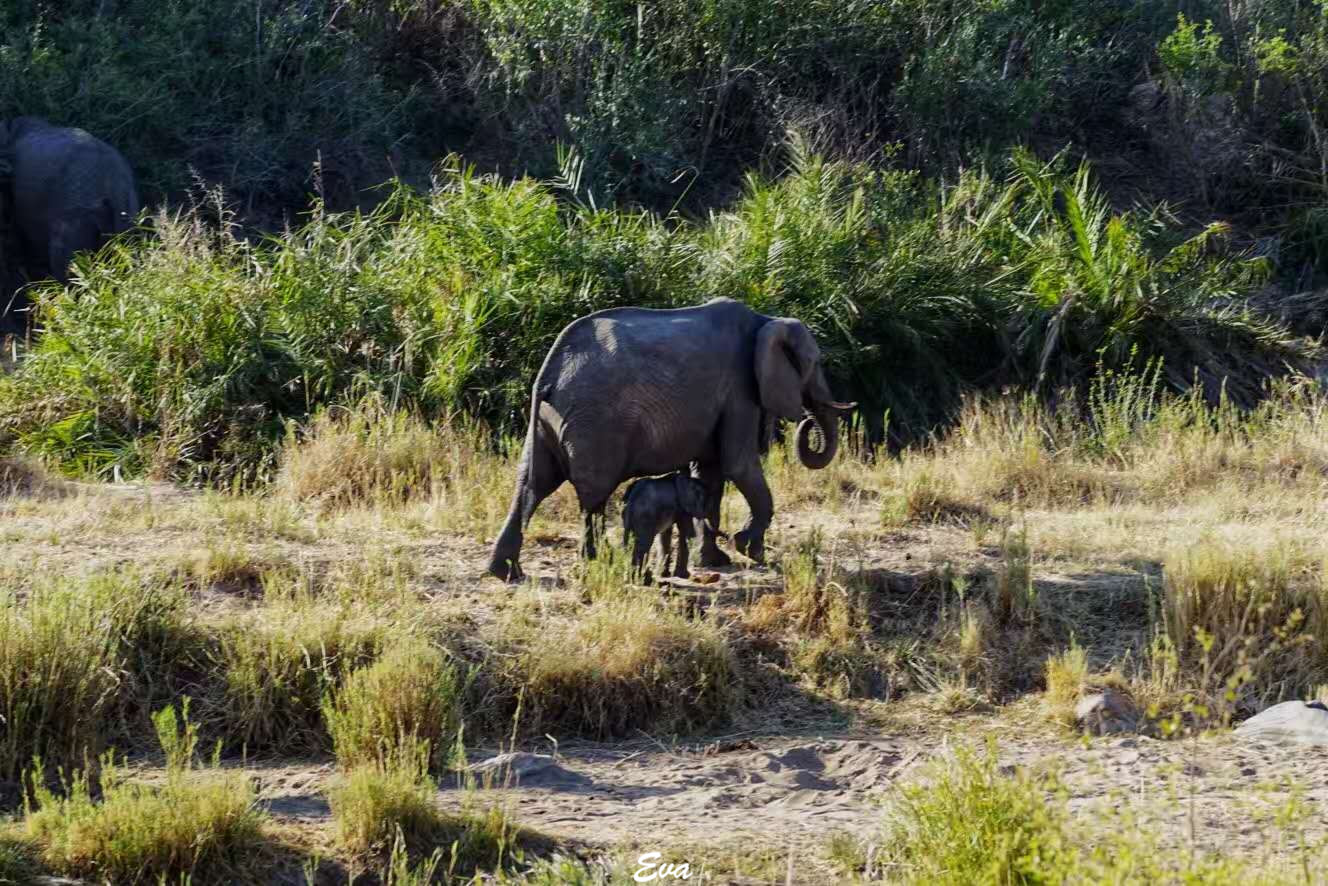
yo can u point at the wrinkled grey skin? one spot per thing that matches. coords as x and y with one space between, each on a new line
654 505
70 192
633 392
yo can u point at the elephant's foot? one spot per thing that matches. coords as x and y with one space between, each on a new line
506 568
681 572
750 544
712 556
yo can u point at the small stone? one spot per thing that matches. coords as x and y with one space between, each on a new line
1106 713
1291 722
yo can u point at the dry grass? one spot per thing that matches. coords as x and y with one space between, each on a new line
21 477
275 664
619 664
1067 678
1249 623
70 653
370 456
1178 554
824 624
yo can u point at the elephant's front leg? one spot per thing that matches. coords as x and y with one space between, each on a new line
712 478
750 540
594 525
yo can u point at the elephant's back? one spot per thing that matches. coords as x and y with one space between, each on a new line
64 169
641 386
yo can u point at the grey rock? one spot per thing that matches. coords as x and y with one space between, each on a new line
1106 713
521 767
1291 722
518 763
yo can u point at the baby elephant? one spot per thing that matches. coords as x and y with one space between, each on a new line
654 505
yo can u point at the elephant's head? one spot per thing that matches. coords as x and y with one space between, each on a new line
792 381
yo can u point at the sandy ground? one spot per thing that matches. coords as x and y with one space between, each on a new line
783 784
770 796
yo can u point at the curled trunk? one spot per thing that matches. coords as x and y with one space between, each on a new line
828 423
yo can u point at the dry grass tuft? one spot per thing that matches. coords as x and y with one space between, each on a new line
387 809
1249 623
230 566
21 478
824 624
69 654
620 664
276 664
1067 676
372 456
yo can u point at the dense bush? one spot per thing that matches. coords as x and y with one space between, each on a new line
189 354
906 220
665 101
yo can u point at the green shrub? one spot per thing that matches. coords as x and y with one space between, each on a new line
965 822
388 806
227 89
201 823
191 355
409 695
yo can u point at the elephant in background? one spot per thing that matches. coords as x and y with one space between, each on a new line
69 192
632 392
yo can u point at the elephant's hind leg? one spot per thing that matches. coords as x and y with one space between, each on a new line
685 533
540 474
593 488
640 554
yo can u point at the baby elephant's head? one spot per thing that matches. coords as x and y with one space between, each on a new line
691 496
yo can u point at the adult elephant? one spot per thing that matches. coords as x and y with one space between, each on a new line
71 191
631 392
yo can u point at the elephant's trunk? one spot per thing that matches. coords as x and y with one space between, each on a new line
827 420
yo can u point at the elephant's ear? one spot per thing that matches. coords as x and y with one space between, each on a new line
778 344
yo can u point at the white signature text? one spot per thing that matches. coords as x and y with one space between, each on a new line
651 869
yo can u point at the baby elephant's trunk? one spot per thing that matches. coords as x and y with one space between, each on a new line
715 529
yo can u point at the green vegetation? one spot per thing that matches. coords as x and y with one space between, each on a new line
829 164
390 803
201 822
966 821
410 694
187 356
73 655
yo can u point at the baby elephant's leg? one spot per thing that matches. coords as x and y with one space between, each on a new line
685 532
665 548
641 541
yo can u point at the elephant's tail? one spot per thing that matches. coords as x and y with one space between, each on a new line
539 406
